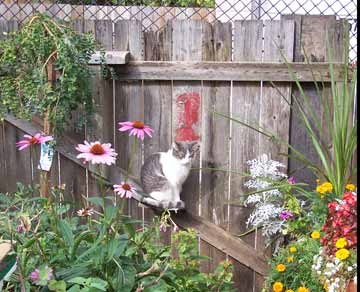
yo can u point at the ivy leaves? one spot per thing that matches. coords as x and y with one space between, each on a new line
28 58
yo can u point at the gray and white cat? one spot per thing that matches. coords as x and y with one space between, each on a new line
164 173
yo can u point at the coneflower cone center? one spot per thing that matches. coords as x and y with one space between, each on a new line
97 149
126 187
138 124
33 140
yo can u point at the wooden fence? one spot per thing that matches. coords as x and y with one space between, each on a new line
180 107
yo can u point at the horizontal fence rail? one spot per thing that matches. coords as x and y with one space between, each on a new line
227 71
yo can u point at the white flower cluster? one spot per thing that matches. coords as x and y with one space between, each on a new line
330 271
267 203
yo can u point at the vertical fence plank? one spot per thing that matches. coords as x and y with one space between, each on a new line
244 141
101 127
129 103
215 145
274 109
3 170
157 104
73 176
314 36
187 45
18 162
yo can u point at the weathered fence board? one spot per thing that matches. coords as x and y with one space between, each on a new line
175 80
18 162
187 44
215 146
158 108
227 71
314 37
245 106
129 104
3 173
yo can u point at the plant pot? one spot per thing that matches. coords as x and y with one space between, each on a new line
351 287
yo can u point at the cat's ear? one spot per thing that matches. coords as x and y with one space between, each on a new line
194 147
176 146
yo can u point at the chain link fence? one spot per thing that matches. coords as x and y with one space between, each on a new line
154 13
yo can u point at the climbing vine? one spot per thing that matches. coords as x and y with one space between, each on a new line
44 71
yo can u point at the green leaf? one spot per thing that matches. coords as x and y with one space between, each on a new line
97 201
110 213
115 247
74 288
66 232
58 286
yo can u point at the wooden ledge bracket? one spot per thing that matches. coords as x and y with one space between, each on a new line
207 231
111 58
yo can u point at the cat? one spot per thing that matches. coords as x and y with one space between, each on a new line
163 174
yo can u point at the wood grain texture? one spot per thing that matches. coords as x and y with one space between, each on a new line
18 162
215 133
245 106
129 105
101 127
3 166
191 40
158 111
226 71
274 104
315 43
73 177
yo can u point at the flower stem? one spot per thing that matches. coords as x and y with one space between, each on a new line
133 150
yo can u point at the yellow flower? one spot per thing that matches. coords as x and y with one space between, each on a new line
342 254
303 289
280 268
341 242
278 287
320 190
326 287
289 290
290 259
315 234
350 187
292 249
324 188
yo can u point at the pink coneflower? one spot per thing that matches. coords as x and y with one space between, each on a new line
124 190
291 180
162 227
32 140
85 212
20 228
136 128
97 153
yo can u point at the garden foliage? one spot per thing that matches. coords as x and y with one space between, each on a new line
105 251
27 59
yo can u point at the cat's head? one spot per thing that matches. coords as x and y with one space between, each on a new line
185 151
